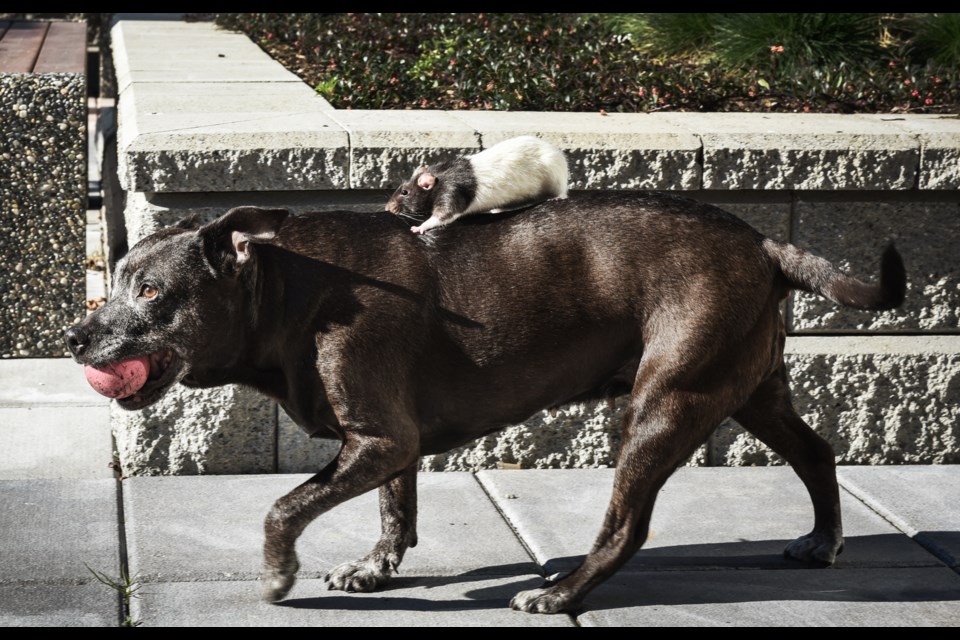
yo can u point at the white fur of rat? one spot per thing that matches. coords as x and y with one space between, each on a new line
514 172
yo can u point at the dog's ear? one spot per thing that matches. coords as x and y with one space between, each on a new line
190 222
227 239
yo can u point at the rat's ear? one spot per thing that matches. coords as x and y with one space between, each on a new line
426 181
419 170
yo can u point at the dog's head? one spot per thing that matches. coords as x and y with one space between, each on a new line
181 298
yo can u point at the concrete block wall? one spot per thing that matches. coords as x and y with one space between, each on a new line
227 126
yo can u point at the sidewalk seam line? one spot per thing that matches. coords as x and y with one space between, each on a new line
125 612
516 534
509 524
898 523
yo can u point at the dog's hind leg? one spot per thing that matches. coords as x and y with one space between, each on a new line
398 532
770 416
668 418
365 462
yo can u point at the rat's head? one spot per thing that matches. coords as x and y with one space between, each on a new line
416 195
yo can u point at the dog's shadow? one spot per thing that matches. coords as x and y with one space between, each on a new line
723 573
506 581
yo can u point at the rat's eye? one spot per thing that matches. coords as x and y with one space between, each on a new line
405 192
148 291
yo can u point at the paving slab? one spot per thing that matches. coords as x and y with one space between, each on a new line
706 518
386 146
922 501
51 529
939 137
58 605
613 151
816 597
463 601
801 151
55 442
49 382
211 528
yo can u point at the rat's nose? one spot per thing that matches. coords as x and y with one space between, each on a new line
77 340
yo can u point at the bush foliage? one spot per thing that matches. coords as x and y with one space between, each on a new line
619 62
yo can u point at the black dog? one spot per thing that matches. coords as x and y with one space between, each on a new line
401 345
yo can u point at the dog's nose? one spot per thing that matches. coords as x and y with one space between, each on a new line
77 340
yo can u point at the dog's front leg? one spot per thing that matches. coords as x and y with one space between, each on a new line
398 525
364 462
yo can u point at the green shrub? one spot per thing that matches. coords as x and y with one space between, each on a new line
938 37
678 33
564 62
612 62
788 42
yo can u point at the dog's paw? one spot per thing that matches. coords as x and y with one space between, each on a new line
275 584
549 600
818 549
361 575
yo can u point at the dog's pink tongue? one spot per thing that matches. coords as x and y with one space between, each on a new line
119 379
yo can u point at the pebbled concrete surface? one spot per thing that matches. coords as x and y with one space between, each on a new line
43 186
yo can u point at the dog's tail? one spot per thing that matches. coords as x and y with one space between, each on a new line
811 273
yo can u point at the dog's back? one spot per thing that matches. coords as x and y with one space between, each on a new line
499 318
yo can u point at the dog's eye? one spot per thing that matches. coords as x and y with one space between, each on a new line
148 291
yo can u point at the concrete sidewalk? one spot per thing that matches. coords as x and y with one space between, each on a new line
192 544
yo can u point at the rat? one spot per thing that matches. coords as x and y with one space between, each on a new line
508 174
